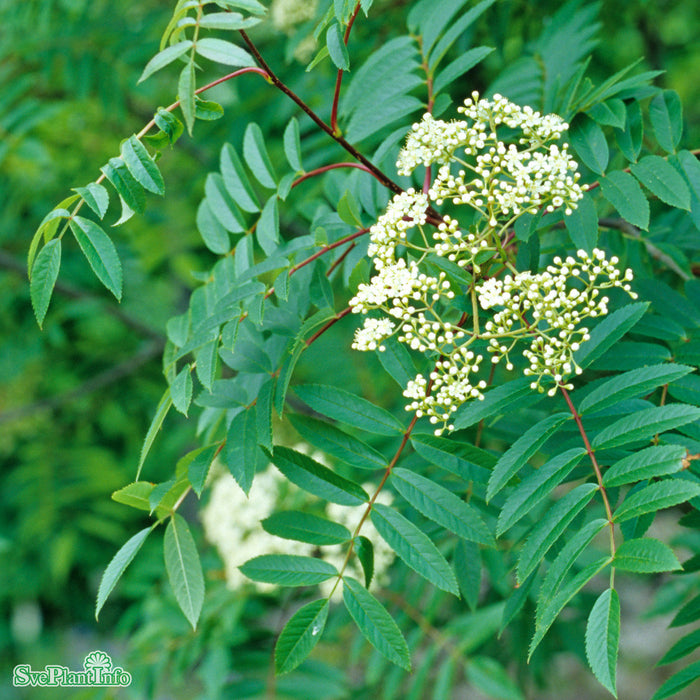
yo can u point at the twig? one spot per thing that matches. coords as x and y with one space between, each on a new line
339 78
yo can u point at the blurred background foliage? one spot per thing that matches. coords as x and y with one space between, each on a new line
77 398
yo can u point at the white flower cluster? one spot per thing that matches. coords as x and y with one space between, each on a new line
500 181
232 524
286 14
549 307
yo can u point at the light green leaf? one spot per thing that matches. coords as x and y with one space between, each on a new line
645 556
463 63
257 157
442 506
337 49
126 186
165 57
184 569
536 487
100 252
317 479
305 527
646 464
135 494
608 332
666 116
644 424
44 275
229 21
603 638
236 180
689 612
637 382
684 646
375 623
224 52
414 547
47 229
300 635
348 408
513 459
678 681
656 496
252 6
268 228
142 166
118 565
589 142
495 401
288 570
198 466
185 94
181 389
207 110
164 405
241 454
333 441
625 194
551 526
95 196
662 180
292 145
264 415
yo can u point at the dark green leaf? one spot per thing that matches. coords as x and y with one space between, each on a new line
490 677
665 113
241 453
656 496
662 180
365 553
292 145
336 46
198 467
375 623
348 408
185 94
181 390
100 253
257 158
414 547
44 275
645 464
300 635
603 638
684 646
207 111
630 140
495 401
164 405
236 180
625 194
305 527
142 166
678 681
288 570
124 183
268 228
317 479
96 197
184 569
582 225
213 233
645 556
460 66
690 612
589 142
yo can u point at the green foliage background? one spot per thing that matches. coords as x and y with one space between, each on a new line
77 398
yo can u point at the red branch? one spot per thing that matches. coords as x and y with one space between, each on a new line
339 79
326 168
330 323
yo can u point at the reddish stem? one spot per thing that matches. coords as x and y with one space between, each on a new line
326 168
339 78
330 323
340 259
325 249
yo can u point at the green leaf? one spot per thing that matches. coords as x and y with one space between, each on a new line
142 166
224 52
185 94
288 570
181 390
44 275
608 332
495 401
414 547
229 21
375 623
365 553
135 495
337 49
169 125
603 638
347 408
491 678
625 194
637 382
555 604
513 459
662 180
582 225
467 565
264 415
630 140
348 210
100 252
666 116
551 526
300 635
459 458
317 479
95 196
338 443
236 180
690 612
124 183
257 158
305 527
164 405
292 145
589 142
646 464
165 57
117 566
656 496
397 361
268 228
678 681
198 466
644 424
460 66
536 487
442 506
252 6
241 453
684 646
645 556
206 110
184 569
47 228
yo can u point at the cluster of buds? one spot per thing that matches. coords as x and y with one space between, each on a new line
500 181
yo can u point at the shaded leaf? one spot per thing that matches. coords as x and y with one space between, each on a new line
656 496
300 635
305 527
100 252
